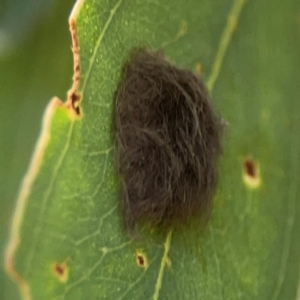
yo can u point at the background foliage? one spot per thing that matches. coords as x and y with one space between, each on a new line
35 64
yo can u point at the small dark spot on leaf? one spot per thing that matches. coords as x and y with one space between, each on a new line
168 141
250 168
141 260
75 98
251 173
61 271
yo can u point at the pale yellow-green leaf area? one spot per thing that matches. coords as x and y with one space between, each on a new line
67 239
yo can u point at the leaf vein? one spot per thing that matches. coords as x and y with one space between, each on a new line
98 43
226 37
162 266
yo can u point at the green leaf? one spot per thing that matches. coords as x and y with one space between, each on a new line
67 241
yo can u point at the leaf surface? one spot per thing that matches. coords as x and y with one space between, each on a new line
71 241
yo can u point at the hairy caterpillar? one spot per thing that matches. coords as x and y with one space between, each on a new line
168 140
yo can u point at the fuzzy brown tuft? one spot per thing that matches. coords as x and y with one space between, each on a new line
168 140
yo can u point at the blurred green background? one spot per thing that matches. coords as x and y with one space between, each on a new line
35 65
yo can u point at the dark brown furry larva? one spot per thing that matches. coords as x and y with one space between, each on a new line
168 140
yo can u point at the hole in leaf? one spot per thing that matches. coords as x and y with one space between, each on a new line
141 260
251 173
250 168
75 98
61 271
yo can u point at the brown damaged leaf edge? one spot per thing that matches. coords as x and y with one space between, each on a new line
74 112
74 96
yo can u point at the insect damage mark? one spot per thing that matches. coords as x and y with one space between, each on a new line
251 173
141 259
74 98
60 271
